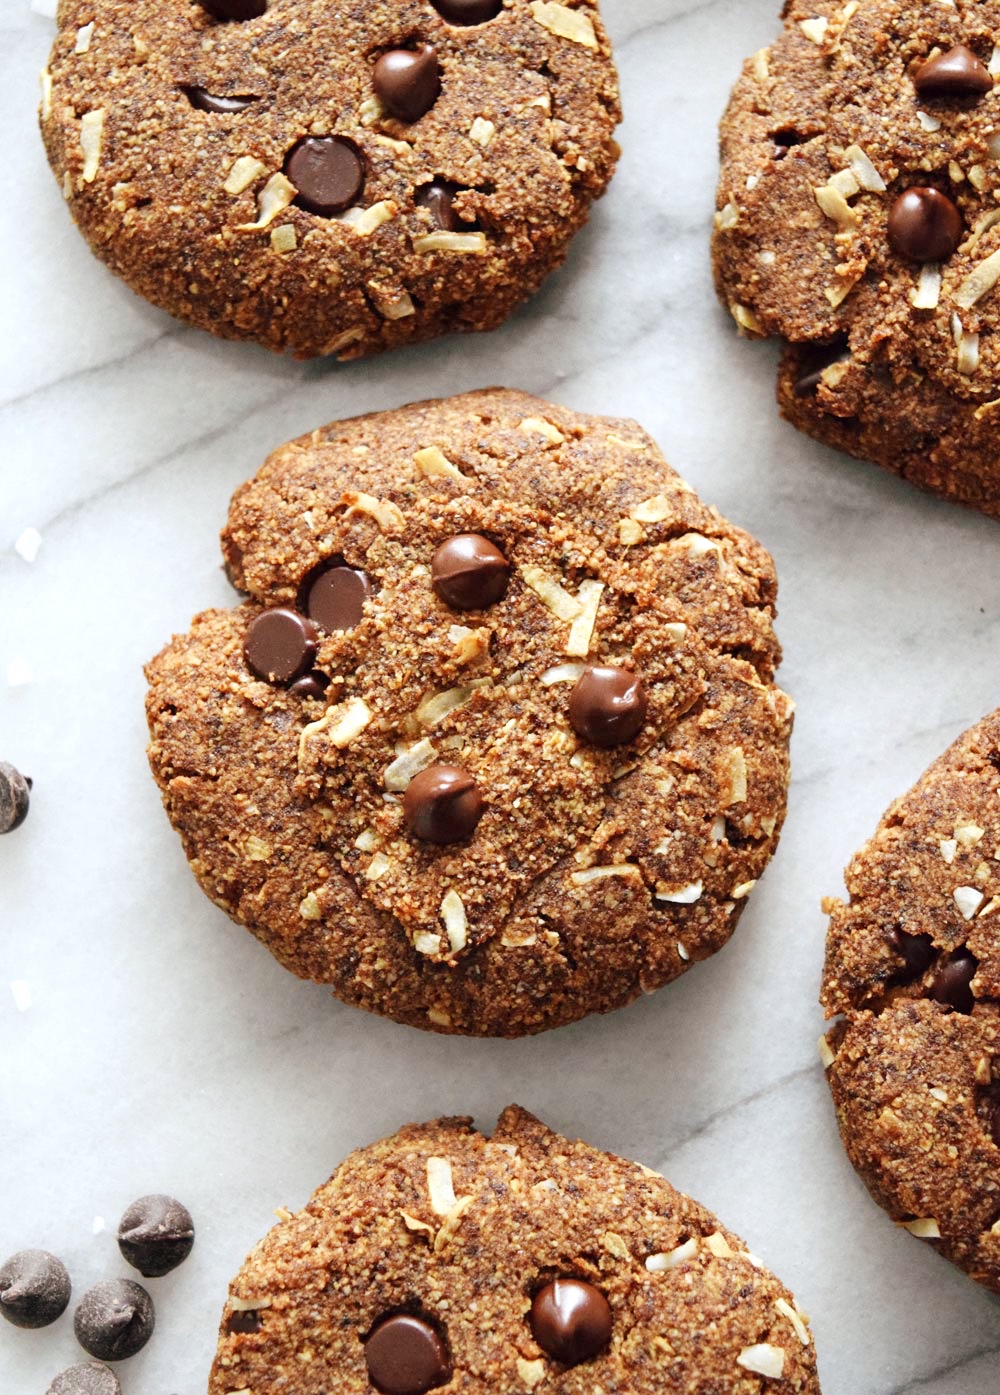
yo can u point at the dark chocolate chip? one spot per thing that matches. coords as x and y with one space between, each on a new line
34 1288
156 1234
313 685
437 198
88 1378
571 1321
15 792
407 81
280 645
924 225
814 363
114 1320
469 573
406 1356
328 173
468 11
607 707
207 101
442 804
917 951
951 984
335 600
234 9
247 1320
957 73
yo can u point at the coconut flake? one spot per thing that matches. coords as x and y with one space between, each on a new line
864 171
563 673
582 630
979 282
927 292
796 1319
432 463
552 595
682 895
670 1259
440 1185
763 1359
968 899
398 775
456 922
925 1229
596 874
91 141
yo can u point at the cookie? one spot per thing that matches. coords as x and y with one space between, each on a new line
331 178
913 972
493 742
858 222
443 1258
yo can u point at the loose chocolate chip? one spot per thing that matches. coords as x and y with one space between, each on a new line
328 173
246 1321
607 707
468 11
408 82
280 645
957 73
951 984
437 198
156 1234
406 1356
114 1320
207 101
917 951
15 792
469 573
314 685
335 600
234 9
924 225
88 1378
442 804
816 361
571 1321
34 1288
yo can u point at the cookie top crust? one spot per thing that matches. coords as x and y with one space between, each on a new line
331 178
857 219
543 763
913 968
442 1229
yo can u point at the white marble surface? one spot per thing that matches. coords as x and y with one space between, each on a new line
162 1049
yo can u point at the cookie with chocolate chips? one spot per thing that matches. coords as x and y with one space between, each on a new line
857 221
493 741
329 178
913 975
444 1258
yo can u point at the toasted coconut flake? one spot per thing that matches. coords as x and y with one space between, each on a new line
432 463
309 907
655 510
763 1359
582 630
719 1245
786 1310
371 110
440 1186
540 427
927 292
398 775
670 1259
343 340
615 1245
482 131
284 239
84 35
426 942
968 833
395 305
744 889
273 199
682 895
248 1305
597 874
836 295
762 65
727 218
983 225
563 673
826 1054
925 1229
364 221
968 899
417 1226
451 1223
928 122
844 182
456 922
863 170
532 1373
91 141
994 64
340 725
697 545
564 22
367 840
979 282
835 206
256 850
552 595
815 29
45 78
435 708
968 353
473 243
746 319
378 867
439 1017
385 513
630 532
737 773
470 645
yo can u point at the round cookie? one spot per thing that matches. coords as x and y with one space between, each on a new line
858 222
331 178
504 1264
913 972
493 743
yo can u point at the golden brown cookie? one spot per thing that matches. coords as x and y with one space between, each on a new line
440 1259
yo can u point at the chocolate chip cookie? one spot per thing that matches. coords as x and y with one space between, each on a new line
331 178
857 221
494 741
442 1258
913 968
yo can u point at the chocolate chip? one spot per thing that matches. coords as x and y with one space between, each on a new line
313 685
34 1288
918 954
245 1321
156 1234
957 73
335 600
15 792
234 9
924 225
442 804
469 573
114 1320
328 173
408 82
607 707
406 1356
207 101
950 985
437 198
468 11
280 645
815 361
571 1321
88 1378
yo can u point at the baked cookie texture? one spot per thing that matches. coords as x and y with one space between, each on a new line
570 875
885 298
461 1232
176 136
913 973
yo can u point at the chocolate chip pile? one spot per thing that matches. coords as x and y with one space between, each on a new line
15 792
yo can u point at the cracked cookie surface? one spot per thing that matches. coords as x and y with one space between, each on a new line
913 966
447 1244
857 220
542 762
331 178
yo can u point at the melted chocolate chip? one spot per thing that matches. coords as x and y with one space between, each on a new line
406 1356
34 1288
442 804
247 1320
571 1321
468 11
156 1234
15 790
328 173
280 645
957 73
335 600
469 573
437 197
924 225
917 951
114 1320
208 101
88 1378
312 686
234 9
951 984
607 707
408 82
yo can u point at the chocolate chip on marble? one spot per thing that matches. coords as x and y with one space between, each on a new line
468 11
957 73
408 81
607 707
924 225
438 198
335 600
328 173
156 1234
34 1288
202 100
15 791
114 1320
442 804
571 1321
312 686
469 573
247 1320
88 1378
237 10
280 645
406 1356
917 952
951 984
